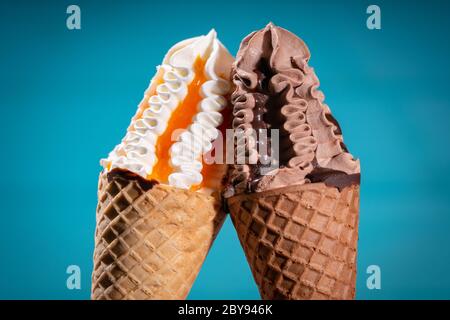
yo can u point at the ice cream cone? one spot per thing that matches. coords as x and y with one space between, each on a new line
158 201
300 241
150 240
297 218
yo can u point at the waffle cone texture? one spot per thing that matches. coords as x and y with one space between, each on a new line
300 241
150 241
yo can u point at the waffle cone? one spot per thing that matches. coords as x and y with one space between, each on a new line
300 241
150 241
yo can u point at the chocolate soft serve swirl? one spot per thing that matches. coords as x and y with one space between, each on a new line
276 89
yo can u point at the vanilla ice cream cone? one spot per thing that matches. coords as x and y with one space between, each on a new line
159 206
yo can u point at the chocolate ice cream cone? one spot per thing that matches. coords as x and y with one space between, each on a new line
298 220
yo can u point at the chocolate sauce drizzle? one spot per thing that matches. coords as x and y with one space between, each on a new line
125 176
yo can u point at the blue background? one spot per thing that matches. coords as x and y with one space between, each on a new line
67 97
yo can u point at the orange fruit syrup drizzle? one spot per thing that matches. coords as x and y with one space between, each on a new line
180 118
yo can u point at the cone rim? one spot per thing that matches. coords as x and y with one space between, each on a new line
286 189
215 195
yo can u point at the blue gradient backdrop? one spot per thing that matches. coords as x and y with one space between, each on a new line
66 98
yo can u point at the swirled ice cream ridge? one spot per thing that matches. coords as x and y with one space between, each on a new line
167 90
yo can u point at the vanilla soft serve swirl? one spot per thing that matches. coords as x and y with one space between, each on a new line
166 93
